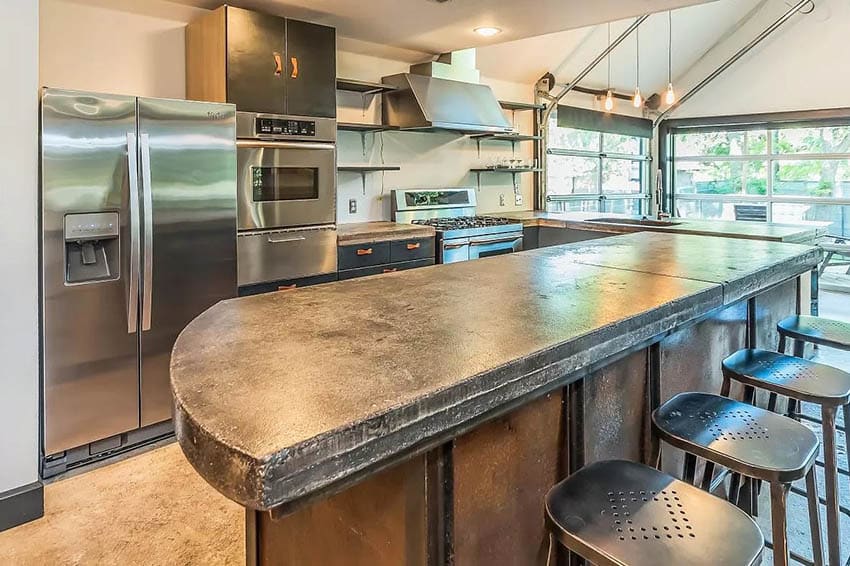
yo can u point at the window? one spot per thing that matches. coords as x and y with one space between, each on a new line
594 171
788 173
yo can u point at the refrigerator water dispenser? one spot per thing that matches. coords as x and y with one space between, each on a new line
91 247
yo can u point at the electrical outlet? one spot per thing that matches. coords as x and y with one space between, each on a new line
352 206
501 200
518 199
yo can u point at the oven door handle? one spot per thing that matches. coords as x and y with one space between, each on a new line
454 246
496 241
284 144
273 240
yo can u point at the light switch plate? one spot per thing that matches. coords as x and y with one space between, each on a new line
501 200
518 199
352 206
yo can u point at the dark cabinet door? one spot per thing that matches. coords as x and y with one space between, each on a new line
256 65
310 69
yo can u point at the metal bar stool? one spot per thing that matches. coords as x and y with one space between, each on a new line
801 381
618 513
753 442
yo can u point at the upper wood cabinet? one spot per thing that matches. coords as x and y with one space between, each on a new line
262 63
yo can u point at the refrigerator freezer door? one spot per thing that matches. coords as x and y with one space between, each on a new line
188 172
90 349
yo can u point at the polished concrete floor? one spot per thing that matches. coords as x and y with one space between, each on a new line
148 509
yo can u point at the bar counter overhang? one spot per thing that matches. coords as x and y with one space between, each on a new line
421 416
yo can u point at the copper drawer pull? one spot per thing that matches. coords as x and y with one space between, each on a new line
415 246
278 64
294 61
367 251
390 269
287 287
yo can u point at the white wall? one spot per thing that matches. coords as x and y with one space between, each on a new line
98 45
802 66
19 236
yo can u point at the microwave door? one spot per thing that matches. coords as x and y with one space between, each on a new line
285 184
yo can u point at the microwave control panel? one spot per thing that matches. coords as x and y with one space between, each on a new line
284 127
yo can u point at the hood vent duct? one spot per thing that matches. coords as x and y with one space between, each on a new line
443 95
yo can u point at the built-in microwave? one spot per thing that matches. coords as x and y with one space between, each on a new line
286 206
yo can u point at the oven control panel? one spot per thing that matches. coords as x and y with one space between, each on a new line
285 127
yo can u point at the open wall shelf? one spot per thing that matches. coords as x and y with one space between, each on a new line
356 127
367 168
520 106
362 87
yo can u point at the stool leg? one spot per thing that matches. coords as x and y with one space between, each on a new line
814 515
799 349
778 499
846 410
833 525
782 343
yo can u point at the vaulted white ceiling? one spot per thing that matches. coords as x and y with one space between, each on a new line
436 26
696 29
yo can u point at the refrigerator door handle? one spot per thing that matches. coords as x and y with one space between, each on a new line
133 177
147 209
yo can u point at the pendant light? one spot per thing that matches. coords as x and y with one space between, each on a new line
637 101
609 97
671 95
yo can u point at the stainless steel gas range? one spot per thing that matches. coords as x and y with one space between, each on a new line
461 234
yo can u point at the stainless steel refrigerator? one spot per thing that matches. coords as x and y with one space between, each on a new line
138 217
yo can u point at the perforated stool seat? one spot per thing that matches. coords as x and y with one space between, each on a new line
817 330
746 439
751 441
789 376
623 513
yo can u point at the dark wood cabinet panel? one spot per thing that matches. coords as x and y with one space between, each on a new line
408 250
310 69
256 65
363 255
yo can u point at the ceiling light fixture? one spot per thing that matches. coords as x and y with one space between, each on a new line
637 101
609 98
671 94
487 31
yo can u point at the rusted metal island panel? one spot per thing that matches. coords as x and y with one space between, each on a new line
419 418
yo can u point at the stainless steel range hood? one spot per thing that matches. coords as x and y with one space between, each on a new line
424 101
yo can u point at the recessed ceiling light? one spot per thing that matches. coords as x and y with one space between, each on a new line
487 31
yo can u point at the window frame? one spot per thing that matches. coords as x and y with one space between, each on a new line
837 117
600 197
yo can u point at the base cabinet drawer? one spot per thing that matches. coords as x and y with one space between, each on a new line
409 250
364 255
386 268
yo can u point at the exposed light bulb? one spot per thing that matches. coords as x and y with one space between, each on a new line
637 101
609 101
671 95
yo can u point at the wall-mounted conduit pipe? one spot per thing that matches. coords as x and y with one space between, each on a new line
552 103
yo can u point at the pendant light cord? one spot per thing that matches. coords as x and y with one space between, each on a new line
669 47
609 57
637 58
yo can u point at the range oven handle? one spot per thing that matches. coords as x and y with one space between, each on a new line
147 210
454 246
135 235
496 241
284 144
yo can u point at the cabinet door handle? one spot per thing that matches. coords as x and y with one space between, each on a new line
367 251
294 61
390 269
415 246
278 64
287 287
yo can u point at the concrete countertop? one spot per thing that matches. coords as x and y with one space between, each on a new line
805 232
365 232
286 395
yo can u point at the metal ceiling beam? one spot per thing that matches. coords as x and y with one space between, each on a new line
732 60
552 104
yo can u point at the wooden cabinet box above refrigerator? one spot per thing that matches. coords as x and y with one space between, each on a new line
262 63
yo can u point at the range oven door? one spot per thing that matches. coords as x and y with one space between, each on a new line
285 184
497 244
